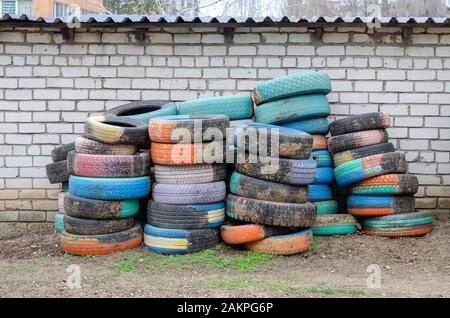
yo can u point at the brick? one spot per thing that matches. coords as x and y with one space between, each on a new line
246 38
330 50
413 144
425 203
397 86
299 38
360 50
444 203
409 121
32 216
9 216
423 133
422 168
437 122
9 194
438 191
300 50
420 51
335 37
390 51
443 145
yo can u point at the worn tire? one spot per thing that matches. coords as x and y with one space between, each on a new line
186 154
357 140
388 184
299 172
323 158
292 85
61 196
234 107
335 224
319 142
198 193
293 109
288 244
57 172
105 166
116 130
398 225
172 129
292 144
199 173
93 147
58 226
270 213
60 153
367 121
324 175
99 209
357 153
246 233
249 187
173 241
319 192
326 207
144 110
310 126
364 168
109 188
185 217
101 244
366 205
95 227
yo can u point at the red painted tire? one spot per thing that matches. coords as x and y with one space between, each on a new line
357 140
187 154
246 233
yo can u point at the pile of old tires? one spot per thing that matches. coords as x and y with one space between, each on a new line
187 205
381 193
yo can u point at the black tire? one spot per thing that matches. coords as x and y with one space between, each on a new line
60 153
368 121
144 110
198 173
116 130
57 172
357 140
357 153
94 147
262 190
270 213
95 227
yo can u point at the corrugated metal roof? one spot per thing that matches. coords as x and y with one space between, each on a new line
156 19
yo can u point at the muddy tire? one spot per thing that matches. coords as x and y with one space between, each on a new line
368 121
389 184
319 192
83 208
188 154
398 225
319 142
199 173
360 169
93 147
357 140
289 171
167 129
105 166
335 224
310 126
365 205
246 233
185 217
116 130
270 213
173 241
292 85
95 227
101 244
198 193
57 172
357 153
288 244
144 110
60 153
249 187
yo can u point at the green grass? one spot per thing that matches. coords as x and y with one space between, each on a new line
313 290
124 266
228 284
313 245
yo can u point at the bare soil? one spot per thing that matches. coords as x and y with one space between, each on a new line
32 265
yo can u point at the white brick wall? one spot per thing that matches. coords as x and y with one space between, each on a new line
49 86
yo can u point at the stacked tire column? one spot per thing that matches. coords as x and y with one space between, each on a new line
269 195
187 205
381 192
108 176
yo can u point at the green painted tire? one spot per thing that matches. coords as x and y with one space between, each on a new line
340 229
326 207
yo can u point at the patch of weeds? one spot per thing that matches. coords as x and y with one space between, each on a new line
313 290
157 262
228 284
97 281
124 266
290 277
313 245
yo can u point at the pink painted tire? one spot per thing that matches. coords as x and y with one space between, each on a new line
61 196
104 166
357 140
93 147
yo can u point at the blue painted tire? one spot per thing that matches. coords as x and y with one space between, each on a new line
319 126
173 241
319 192
292 85
293 109
59 222
109 188
324 175
323 158
235 107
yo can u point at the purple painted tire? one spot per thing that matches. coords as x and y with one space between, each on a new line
201 193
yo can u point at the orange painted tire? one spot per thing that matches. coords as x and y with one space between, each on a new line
283 244
399 233
319 142
187 154
101 244
388 184
246 233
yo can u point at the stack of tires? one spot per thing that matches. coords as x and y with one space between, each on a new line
381 192
269 193
57 173
108 176
187 205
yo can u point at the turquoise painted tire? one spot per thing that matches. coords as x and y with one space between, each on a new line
59 222
174 241
319 126
319 192
326 207
109 188
293 109
323 158
339 229
399 225
292 85
235 107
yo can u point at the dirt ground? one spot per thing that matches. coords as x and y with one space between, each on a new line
32 266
